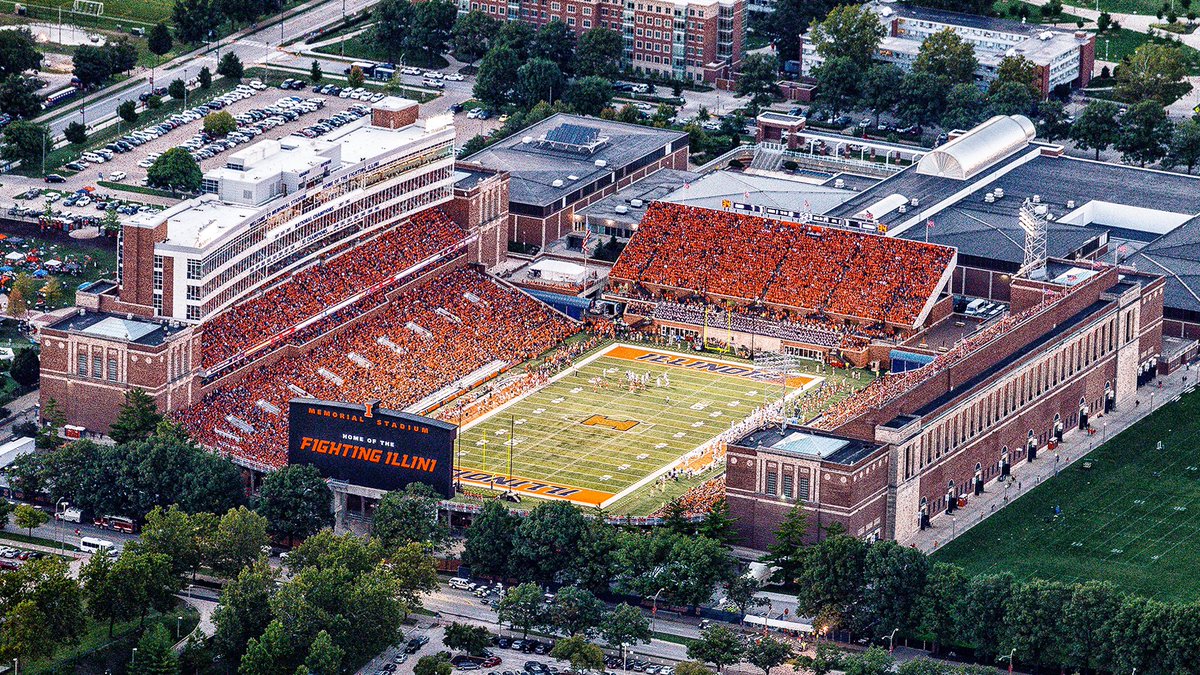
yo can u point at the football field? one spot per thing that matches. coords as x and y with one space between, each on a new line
1130 519
592 433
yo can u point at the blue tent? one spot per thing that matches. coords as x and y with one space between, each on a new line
40 273
6 268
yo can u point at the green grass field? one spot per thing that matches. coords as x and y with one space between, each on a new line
1131 519
554 444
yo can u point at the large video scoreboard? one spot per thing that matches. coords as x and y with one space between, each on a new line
368 446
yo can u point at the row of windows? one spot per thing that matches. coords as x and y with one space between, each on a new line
786 484
995 406
98 371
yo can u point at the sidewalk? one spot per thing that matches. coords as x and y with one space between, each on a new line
206 628
1027 475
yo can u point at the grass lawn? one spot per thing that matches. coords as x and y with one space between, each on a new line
1130 519
1010 9
22 538
102 264
1118 44
95 652
364 46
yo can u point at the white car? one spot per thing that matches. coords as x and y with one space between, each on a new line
117 176
92 157
434 75
257 84
410 71
455 77
146 163
84 201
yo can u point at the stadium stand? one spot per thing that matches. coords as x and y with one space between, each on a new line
813 270
425 339
338 277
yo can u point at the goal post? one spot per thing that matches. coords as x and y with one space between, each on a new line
89 7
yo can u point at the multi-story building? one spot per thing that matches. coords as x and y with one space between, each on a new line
1064 58
276 207
695 40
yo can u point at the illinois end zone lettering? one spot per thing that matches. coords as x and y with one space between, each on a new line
371 447
531 487
651 358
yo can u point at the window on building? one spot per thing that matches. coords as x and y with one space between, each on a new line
788 485
772 478
193 313
193 269
81 367
193 292
802 488
112 370
97 366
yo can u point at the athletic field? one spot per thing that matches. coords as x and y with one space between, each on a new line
1131 519
592 433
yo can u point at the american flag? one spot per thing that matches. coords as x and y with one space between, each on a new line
929 224
587 236
807 206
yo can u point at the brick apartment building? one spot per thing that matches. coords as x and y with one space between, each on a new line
693 40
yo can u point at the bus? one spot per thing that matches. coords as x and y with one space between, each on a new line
57 97
94 545
367 68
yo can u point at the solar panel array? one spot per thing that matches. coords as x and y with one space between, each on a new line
573 134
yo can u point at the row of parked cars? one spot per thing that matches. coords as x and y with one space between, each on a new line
327 124
11 558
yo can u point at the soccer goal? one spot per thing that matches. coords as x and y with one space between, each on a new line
89 7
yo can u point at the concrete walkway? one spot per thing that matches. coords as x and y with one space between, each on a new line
206 628
1026 475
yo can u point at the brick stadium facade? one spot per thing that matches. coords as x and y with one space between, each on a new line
965 425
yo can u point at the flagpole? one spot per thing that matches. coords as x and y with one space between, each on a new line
512 440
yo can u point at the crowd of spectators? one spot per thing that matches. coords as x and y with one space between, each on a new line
426 339
699 500
808 330
326 283
816 269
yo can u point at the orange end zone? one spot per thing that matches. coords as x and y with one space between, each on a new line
534 488
727 368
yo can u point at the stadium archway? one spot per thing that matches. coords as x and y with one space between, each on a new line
1083 413
1031 445
978 479
951 495
1005 462
923 517
1057 429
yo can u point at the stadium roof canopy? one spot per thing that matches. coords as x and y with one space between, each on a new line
979 148
1175 255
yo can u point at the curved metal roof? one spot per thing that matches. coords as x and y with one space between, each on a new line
979 148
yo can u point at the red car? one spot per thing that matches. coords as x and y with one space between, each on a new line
490 662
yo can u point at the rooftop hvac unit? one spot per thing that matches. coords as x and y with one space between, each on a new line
557 182
839 183
572 177
636 203
1070 203
999 193
1037 199
621 208
527 139
902 208
1049 216
1040 209
989 198
914 202
602 163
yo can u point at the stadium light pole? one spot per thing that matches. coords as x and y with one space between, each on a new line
654 610
892 641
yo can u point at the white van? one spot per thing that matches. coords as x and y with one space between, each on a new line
70 515
460 583
94 545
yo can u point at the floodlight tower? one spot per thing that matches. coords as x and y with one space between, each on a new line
1033 221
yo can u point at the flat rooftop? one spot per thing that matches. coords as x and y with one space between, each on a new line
542 158
774 197
117 327
1175 255
809 444
197 222
619 207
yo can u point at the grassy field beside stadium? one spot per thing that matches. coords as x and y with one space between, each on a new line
574 433
1131 519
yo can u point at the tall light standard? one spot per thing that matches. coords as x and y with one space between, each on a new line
59 509
1010 659
133 659
892 640
654 610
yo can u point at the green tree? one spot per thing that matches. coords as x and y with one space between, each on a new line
155 655
515 35
1052 120
1090 606
19 96
137 418
18 52
965 107
25 141
176 534
28 517
177 89
1034 623
554 42
577 651
758 78
879 89
589 95
393 22
1097 127
599 52
497 76
742 591
324 657
717 645
195 20
158 39
24 634
295 501
522 608
461 637
269 653
786 552
685 568
946 55
874 661
895 576
154 102
1012 98
490 540
624 627
540 80
243 610
838 79
547 542
1156 72
791 20
239 541
1185 145
941 606
128 111
575 611
92 65
6 511
410 515
231 66
176 169
432 665
692 668
205 77
432 23
768 653
1145 133
52 291
25 367
831 578
850 31
472 35
1016 70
